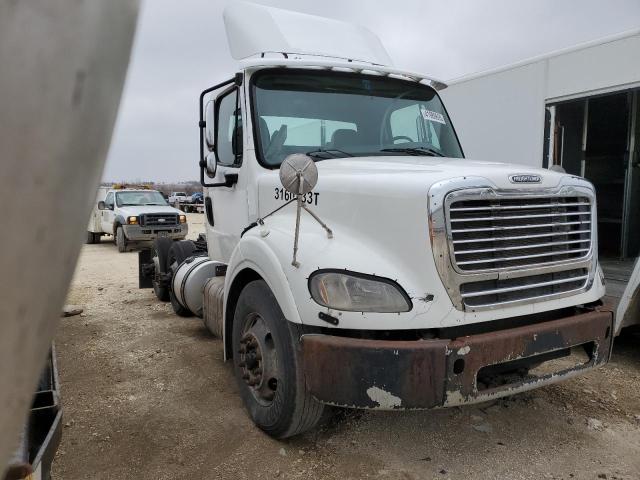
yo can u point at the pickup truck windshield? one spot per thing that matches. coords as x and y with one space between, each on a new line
332 115
143 197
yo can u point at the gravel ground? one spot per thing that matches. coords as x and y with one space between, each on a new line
146 395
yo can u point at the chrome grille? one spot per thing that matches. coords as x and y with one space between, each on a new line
488 293
505 233
158 219
496 247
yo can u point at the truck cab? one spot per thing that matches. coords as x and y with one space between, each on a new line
409 276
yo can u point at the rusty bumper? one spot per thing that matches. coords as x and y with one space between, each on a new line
386 374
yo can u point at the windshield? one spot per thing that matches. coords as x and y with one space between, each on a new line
331 115
145 197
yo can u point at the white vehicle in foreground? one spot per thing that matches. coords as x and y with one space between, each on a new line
134 216
402 275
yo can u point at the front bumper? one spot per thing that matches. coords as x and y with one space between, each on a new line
137 233
385 374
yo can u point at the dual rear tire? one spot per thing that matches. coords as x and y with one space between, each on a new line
177 254
92 238
160 251
168 255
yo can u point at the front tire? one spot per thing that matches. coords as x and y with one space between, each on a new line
121 239
267 366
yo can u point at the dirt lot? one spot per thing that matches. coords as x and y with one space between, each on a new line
146 395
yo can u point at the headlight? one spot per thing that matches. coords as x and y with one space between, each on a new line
183 219
355 292
132 220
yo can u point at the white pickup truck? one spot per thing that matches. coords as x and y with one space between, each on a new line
355 257
178 197
134 216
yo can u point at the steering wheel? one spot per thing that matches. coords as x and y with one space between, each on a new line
402 137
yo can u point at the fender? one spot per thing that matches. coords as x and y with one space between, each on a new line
118 220
269 249
253 253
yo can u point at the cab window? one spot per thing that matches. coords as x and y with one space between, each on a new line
229 130
408 124
108 201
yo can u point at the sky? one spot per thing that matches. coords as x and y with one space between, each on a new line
180 49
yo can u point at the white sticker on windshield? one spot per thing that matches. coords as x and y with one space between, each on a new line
432 116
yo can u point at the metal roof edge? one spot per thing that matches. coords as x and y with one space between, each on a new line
546 56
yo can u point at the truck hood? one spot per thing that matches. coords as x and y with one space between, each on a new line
367 181
430 170
139 210
364 194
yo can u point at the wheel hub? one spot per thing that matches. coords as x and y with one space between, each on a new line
257 360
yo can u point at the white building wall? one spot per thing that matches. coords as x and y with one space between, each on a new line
614 64
499 115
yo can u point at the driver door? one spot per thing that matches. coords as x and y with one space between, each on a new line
228 204
107 215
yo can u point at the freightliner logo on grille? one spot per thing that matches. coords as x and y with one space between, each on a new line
525 178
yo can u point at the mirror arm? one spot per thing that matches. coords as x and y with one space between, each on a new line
202 124
230 179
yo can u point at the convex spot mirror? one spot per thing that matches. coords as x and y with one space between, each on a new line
298 174
212 164
101 205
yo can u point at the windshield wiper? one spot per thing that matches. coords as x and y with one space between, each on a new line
429 152
329 151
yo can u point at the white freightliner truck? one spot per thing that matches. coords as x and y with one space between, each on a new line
402 275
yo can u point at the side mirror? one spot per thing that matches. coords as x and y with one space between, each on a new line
209 133
101 205
212 165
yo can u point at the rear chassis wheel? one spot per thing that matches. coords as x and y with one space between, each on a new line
177 254
161 284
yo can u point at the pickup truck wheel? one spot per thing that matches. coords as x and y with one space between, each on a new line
91 238
267 366
121 240
177 254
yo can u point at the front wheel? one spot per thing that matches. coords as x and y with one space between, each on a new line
121 240
267 366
